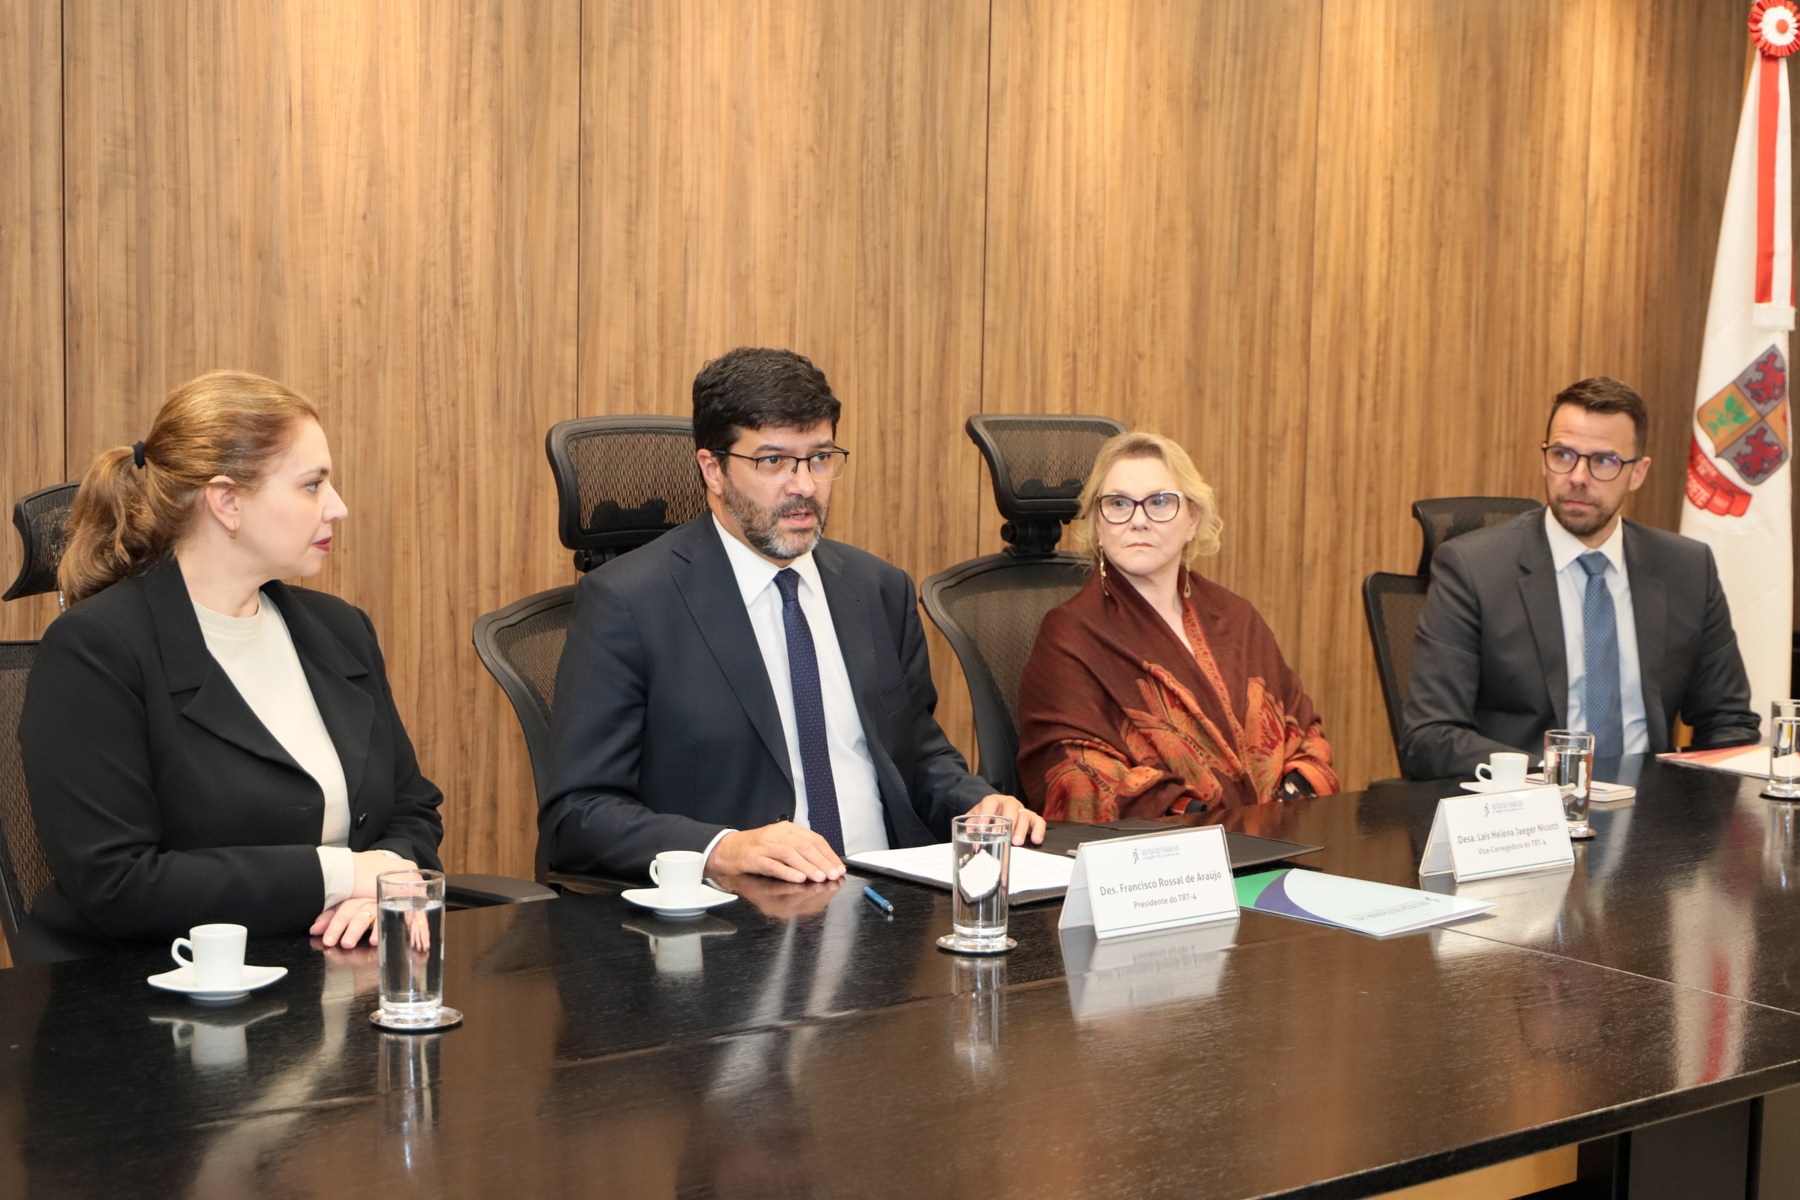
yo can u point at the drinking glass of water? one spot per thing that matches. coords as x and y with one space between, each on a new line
979 846
1784 760
409 906
1569 764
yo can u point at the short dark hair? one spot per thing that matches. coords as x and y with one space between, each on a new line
755 388
1603 395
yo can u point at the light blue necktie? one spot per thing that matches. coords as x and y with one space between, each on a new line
1600 657
809 715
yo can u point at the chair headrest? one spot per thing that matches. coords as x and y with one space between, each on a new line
1039 462
622 482
41 519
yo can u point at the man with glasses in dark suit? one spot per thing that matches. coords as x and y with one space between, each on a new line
1574 618
741 686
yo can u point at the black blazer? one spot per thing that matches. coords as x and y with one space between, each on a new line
163 802
1488 668
666 728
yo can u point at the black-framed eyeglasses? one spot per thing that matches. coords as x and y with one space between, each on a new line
1603 467
1116 509
824 464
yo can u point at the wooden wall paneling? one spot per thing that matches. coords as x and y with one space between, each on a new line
377 207
1447 274
31 327
807 174
1667 88
1149 246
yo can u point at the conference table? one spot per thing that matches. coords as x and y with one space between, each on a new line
798 1042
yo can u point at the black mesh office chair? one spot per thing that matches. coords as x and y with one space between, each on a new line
622 481
1452 516
24 871
40 519
1393 604
989 608
521 645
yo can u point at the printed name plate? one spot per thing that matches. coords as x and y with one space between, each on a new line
1157 881
1498 833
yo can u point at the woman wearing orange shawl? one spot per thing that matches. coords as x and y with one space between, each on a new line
1153 690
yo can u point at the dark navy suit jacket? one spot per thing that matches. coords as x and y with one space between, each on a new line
666 729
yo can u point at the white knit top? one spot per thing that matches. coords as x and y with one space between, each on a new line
258 655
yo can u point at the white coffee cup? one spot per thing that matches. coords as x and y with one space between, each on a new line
677 873
218 956
1504 769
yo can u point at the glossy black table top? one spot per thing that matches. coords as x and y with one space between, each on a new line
799 1043
1696 881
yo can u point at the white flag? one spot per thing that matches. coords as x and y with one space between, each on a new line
1738 482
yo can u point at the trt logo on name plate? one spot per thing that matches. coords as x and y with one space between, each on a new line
1154 881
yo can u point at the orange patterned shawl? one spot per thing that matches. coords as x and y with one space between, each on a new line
1118 719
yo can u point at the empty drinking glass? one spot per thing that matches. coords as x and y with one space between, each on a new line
979 846
409 907
1569 764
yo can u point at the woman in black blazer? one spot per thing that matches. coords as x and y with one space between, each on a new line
202 742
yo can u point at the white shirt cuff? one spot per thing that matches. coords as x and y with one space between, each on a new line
718 837
338 865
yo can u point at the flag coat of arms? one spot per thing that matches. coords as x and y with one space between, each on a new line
1738 481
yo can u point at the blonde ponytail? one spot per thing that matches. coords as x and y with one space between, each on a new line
126 517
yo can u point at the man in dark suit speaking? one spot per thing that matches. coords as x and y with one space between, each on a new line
743 687
1572 618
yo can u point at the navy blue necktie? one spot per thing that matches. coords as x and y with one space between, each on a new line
809 715
1600 660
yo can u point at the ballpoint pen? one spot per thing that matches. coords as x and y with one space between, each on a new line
878 900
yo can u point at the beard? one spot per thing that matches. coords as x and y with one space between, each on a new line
762 526
1583 525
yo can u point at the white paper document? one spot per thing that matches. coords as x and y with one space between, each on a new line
1739 760
1032 874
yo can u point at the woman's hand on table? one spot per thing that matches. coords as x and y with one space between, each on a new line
369 864
343 925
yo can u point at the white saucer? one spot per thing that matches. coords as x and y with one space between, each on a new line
1482 785
181 979
710 897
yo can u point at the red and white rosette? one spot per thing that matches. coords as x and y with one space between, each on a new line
1775 27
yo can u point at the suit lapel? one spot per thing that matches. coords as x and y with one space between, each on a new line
709 589
1649 611
347 710
215 704
850 617
1537 588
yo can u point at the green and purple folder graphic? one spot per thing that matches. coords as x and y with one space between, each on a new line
1377 909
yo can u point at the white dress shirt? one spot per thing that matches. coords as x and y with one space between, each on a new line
1571 586
258 655
852 767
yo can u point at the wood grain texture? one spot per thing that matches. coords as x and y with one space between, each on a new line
376 206
31 328
1150 207
1453 152
805 174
